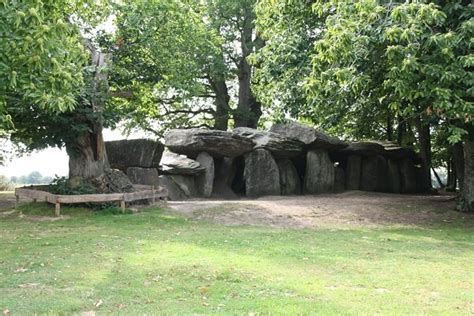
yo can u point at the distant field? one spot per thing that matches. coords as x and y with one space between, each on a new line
158 262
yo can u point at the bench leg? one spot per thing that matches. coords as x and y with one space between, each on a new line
122 206
57 209
17 201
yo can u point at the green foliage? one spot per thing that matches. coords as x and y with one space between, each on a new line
41 54
45 80
162 53
370 60
282 65
61 185
175 60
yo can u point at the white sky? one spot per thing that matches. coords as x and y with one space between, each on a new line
52 161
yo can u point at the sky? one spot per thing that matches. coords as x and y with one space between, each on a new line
52 161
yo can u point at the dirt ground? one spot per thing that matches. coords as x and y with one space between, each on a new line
344 210
348 209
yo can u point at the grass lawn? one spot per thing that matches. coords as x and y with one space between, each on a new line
153 262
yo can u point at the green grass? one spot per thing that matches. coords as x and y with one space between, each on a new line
153 262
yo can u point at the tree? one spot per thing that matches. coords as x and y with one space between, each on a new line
406 64
176 62
54 84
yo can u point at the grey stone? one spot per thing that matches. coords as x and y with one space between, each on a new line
278 145
319 176
393 177
143 153
191 142
187 184
113 181
340 179
374 174
172 163
261 174
290 183
407 176
147 176
308 135
205 180
353 172
174 191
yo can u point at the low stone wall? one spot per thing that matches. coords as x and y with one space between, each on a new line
290 159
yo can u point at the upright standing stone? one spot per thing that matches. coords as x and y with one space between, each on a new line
393 177
289 180
340 179
261 174
374 174
319 177
205 180
353 172
408 176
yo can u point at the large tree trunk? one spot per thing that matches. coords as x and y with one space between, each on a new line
221 118
389 127
452 179
248 108
458 155
467 195
242 116
87 155
424 140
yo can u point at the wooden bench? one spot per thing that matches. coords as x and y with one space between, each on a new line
143 192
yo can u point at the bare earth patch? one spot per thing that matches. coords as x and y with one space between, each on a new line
348 209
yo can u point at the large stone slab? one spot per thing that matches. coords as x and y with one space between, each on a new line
393 177
374 174
353 172
191 142
143 153
407 176
205 180
290 183
319 176
339 179
278 145
261 174
396 152
147 176
172 163
312 137
368 148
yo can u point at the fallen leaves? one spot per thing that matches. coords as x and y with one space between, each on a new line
6 311
21 270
